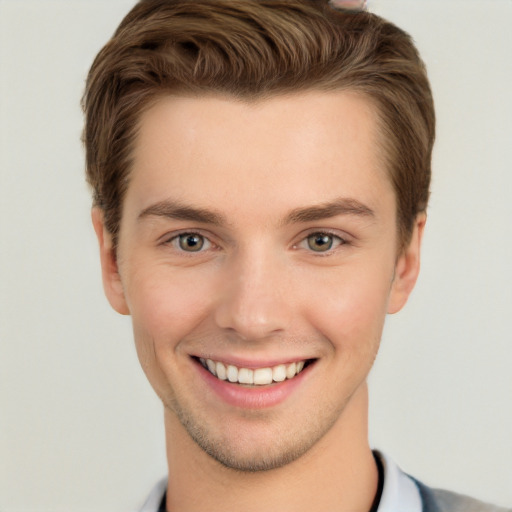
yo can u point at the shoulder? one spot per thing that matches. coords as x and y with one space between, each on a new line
440 500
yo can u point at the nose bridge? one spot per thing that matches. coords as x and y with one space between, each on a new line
253 299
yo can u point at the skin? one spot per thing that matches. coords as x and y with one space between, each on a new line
257 290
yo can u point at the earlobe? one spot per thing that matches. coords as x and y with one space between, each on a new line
407 268
112 284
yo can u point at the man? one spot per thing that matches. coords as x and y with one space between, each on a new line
260 172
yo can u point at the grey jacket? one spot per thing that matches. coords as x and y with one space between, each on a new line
438 500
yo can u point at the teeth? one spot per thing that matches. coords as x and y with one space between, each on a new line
263 376
291 371
220 370
245 376
279 373
258 377
232 372
211 366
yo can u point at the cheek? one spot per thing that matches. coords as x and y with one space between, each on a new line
166 305
165 309
161 297
350 308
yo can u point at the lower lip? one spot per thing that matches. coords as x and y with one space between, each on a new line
257 397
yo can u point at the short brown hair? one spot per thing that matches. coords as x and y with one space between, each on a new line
252 49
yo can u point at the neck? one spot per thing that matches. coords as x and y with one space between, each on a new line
337 473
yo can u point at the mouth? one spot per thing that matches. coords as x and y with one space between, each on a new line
254 377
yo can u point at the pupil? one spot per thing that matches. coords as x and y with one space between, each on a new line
320 242
191 242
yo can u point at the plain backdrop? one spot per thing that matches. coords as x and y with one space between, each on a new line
80 428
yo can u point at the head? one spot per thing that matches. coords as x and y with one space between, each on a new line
252 50
260 171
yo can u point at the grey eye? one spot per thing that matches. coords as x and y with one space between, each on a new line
191 242
320 242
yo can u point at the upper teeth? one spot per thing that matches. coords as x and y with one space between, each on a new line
258 376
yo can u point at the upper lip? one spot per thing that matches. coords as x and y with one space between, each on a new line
253 363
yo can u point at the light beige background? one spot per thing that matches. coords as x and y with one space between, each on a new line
80 429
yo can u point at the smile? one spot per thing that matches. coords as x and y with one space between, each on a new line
253 377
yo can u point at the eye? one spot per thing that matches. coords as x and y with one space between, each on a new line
191 242
323 242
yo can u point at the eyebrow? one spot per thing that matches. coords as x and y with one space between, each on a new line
340 206
178 211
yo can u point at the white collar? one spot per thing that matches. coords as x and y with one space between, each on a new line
155 497
399 494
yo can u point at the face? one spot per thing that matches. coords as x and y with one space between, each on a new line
258 259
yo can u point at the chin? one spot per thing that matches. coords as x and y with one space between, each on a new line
251 460
250 445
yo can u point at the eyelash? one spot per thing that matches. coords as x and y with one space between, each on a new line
175 242
336 240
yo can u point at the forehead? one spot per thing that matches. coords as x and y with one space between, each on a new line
270 154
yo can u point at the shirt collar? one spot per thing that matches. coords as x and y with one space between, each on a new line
399 494
152 504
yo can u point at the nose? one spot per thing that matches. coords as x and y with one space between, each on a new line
254 301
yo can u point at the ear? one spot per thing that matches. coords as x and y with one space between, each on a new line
407 268
112 284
